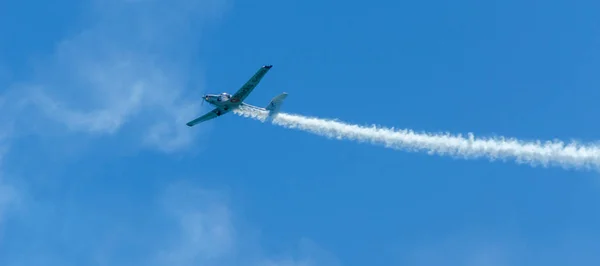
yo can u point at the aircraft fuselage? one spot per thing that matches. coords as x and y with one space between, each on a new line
221 101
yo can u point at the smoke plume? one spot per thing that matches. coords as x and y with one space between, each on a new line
536 153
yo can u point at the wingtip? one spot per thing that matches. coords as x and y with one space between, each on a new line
268 66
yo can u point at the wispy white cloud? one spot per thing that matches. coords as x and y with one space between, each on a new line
206 233
210 234
128 68
186 225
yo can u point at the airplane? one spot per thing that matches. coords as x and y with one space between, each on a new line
226 102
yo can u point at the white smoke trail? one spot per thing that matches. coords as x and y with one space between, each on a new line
571 156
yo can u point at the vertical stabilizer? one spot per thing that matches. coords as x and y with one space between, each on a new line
275 104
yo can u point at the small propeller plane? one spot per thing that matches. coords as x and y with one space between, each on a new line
226 102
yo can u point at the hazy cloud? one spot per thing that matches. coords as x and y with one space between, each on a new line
129 67
209 234
205 232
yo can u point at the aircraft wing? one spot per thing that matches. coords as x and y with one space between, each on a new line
208 116
243 92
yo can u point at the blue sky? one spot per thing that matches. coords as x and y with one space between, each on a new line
98 167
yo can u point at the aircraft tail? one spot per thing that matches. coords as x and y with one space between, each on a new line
275 104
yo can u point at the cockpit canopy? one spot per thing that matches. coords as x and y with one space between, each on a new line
224 97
